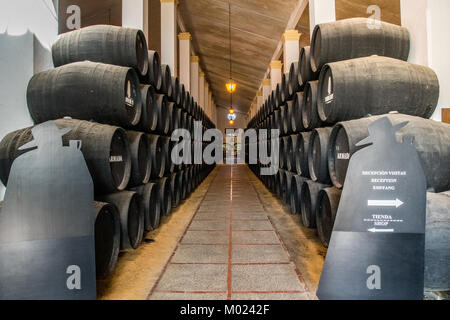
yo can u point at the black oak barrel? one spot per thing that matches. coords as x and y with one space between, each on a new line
131 217
150 203
437 239
105 148
309 195
140 158
103 43
305 73
310 116
157 156
86 91
107 238
375 85
430 138
355 38
318 155
326 209
149 117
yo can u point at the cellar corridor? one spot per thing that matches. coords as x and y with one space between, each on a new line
232 239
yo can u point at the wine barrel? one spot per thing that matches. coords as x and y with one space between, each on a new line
310 116
318 155
327 206
153 76
175 189
187 101
283 119
168 145
287 183
107 238
157 156
182 96
149 117
308 202
188 180
294 149
131 217
175 92
86 91
171 114
288 148
296 189
430 138
284 87
163 114
165 196
306 73
301 154
282 154
182 184
150 204
276 120
103 43
437 239
105 148
280 183
291 148
377 85
354 38
140 158
296 116
176 118
294 84
166 84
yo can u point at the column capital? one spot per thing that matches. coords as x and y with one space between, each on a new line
184 36
201 74
266 82
195 59
259 93
276 64
206 85
291 35
176 1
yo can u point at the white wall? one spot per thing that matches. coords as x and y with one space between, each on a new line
428 24
439 41
27 30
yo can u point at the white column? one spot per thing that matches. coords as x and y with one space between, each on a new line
321 11
168 34
266 88
205 99
259 99
201 88
133 14
291 48
210 104
275 73
428 25
185 59
194 77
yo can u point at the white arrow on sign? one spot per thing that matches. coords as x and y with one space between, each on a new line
385 203
380 230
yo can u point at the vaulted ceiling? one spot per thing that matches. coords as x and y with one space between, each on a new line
256 29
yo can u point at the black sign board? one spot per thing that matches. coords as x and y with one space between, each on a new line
47 246
377 245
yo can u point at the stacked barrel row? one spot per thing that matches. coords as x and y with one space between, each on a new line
350 76
123 106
